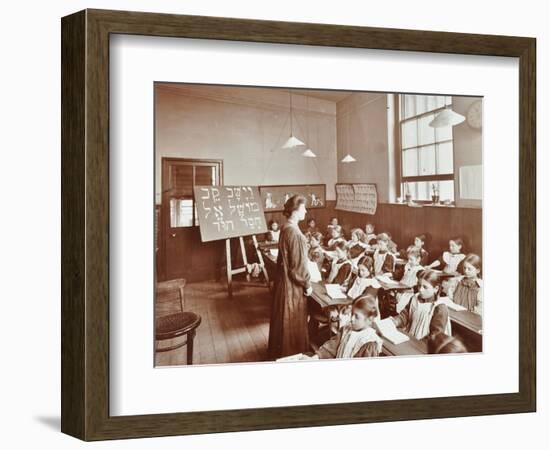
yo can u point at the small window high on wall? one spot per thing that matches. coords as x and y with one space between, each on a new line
425 153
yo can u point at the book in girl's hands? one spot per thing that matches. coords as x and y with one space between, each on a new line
334 291
388 330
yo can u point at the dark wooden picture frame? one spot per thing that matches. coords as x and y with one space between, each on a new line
295 189
85 224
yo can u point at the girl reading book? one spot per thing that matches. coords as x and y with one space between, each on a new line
358 339
425 315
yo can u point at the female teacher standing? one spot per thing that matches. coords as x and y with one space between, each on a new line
288 331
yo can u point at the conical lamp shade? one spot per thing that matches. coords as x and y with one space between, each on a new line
446 118
292 142
309 154
348 159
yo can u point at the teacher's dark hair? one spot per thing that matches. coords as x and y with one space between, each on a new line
292 204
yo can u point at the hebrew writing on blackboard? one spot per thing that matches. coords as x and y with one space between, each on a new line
229 211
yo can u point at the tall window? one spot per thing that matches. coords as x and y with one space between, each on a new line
182 175
426 153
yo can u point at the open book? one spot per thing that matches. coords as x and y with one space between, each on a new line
297 357
451 305
334 291
314 273
390 332
388 283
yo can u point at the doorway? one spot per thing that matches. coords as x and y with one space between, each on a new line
182 253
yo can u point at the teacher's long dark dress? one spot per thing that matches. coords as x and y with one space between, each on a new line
288 332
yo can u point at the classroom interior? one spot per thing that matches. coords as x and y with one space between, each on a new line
234 135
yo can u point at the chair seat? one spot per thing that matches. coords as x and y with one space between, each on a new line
177 324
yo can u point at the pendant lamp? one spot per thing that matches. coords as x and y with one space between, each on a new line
446 118
292 141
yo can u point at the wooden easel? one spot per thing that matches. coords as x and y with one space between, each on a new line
231 271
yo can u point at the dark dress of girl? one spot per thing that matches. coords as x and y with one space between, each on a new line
467 293
288 330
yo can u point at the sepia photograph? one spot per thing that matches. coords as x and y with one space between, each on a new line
296 224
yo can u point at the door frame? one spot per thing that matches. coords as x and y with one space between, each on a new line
164 225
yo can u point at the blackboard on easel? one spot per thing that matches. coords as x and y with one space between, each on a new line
226 212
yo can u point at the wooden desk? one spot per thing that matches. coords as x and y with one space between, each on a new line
323 299
394 286
411 347
468 326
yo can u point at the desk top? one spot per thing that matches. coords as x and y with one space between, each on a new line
467 319
394 285
411 347
323 299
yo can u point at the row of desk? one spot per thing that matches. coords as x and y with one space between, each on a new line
465 324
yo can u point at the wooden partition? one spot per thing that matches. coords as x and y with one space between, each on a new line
439 223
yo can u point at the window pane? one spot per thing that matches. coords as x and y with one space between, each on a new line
427 160
445 158
448 100
407 106
182 180
426 134
446 190
408 134
443 134
439 101
421 104
423 191
181 212
410 163
204 176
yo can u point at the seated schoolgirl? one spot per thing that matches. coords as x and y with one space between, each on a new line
364 282
334 237
315 251
370 236
273 233
340 269
356 245
400 299
358 339
419 243
425 315
334 225
467 289
453 257
384 260
311 228
392 246
412 267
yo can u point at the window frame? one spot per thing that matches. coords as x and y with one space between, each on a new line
193 162
400 178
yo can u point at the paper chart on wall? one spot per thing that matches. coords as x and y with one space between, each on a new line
360 198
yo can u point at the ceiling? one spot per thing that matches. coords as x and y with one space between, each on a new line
333 96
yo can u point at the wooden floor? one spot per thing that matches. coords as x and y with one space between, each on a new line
231 330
